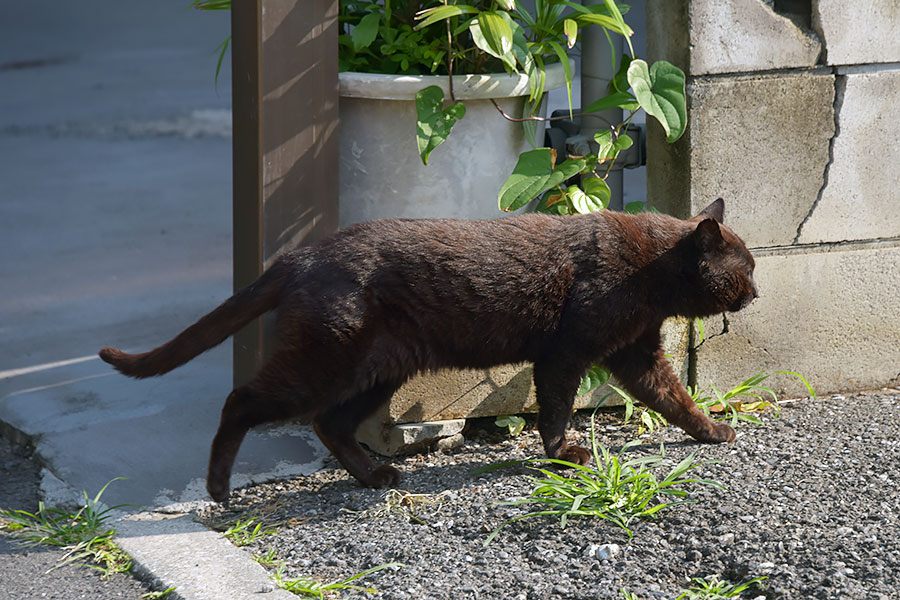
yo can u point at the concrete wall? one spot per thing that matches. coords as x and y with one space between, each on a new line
791 120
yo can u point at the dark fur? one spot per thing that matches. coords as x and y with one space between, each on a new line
365 309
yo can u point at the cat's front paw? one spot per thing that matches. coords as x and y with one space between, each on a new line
722 432
575 454
383 476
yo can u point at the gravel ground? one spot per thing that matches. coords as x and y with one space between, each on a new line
810 502
29 573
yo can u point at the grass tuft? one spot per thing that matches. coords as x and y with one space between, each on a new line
618 489
713 588
84 533
307 586
240 533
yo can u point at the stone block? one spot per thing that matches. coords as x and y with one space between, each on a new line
828 313
504 390
392 439
859 200
710 36
761 142
866 35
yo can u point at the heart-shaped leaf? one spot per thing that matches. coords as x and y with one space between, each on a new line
581 202
597 190
609 147
535 172
434 122
660 91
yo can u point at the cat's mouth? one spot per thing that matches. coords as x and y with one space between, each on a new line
741 303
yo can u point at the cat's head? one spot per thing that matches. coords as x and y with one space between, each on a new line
725 265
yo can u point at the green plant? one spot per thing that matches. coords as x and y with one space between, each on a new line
157 595
84 532
713 588
306 586
447 37
514 423
618 489
240 533
628 595
269 559
733 405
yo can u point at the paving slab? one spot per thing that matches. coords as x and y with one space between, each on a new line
174 551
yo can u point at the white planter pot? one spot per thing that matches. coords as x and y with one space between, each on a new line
381 174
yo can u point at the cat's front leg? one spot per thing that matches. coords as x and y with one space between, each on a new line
556 382
643 370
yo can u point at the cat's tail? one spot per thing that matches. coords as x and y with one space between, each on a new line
211 330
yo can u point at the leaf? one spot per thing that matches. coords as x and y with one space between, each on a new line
491 32
365 31
433 123
598 190
581 202
593 378
615 100
507 4
440 13
660 91
533 174
609 148
514 423
634 208
570 28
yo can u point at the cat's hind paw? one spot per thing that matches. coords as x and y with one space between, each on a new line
575 454
218 491
383 476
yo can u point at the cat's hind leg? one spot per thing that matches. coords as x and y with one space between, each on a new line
646 374
269 397
556 381
337 426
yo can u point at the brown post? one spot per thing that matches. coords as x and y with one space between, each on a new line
285 141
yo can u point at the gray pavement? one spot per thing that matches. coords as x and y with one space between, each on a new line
115 229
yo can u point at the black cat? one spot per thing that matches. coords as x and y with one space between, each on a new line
362 311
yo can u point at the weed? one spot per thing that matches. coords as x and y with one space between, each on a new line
306 586
514 423
157 595
240 533
713 588
268 559
404 503
733 404
628 595
619 490
84 533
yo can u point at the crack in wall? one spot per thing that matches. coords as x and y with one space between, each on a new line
692 348
840 87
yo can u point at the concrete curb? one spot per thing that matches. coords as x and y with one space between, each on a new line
176 551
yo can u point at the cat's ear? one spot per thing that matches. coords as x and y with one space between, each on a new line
708 236
716 211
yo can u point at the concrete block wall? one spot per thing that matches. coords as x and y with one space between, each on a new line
791 121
